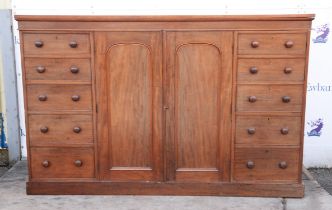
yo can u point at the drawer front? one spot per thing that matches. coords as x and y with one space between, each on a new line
57 69
269 98
270 70
59 130
253 164
62 163
272 43
59 97
40 44
268 130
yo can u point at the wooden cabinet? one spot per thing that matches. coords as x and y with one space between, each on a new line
170 105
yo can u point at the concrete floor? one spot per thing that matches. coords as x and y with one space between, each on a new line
13 197
323 177
3 170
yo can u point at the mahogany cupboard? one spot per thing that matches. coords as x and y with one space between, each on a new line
171 105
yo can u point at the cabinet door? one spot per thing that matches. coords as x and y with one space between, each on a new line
129 97
198 92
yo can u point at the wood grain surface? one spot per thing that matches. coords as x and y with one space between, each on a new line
59 97
131 112
199 100
268 130
57 69
56 44
269 98
272 43
266 163
271 70
60 130
61 163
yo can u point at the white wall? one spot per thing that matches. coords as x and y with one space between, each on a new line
318 149
5 4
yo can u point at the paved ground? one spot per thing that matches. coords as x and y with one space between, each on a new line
3 170
13 197
323 177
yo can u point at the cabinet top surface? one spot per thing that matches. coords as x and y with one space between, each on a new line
165 18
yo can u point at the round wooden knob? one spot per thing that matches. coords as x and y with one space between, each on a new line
74 69
289 44
250 164
78 163
73 44
253 70
251 131
46 163
42 97
40 69
77 129
284 131
286 99
252 99
44 129
75 98
39 43
288 70
254 44
283 164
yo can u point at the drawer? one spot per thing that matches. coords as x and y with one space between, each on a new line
59 97
62 163
270 70
61 44
268 130
252 164
59 130
57 69
269 98
272 43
